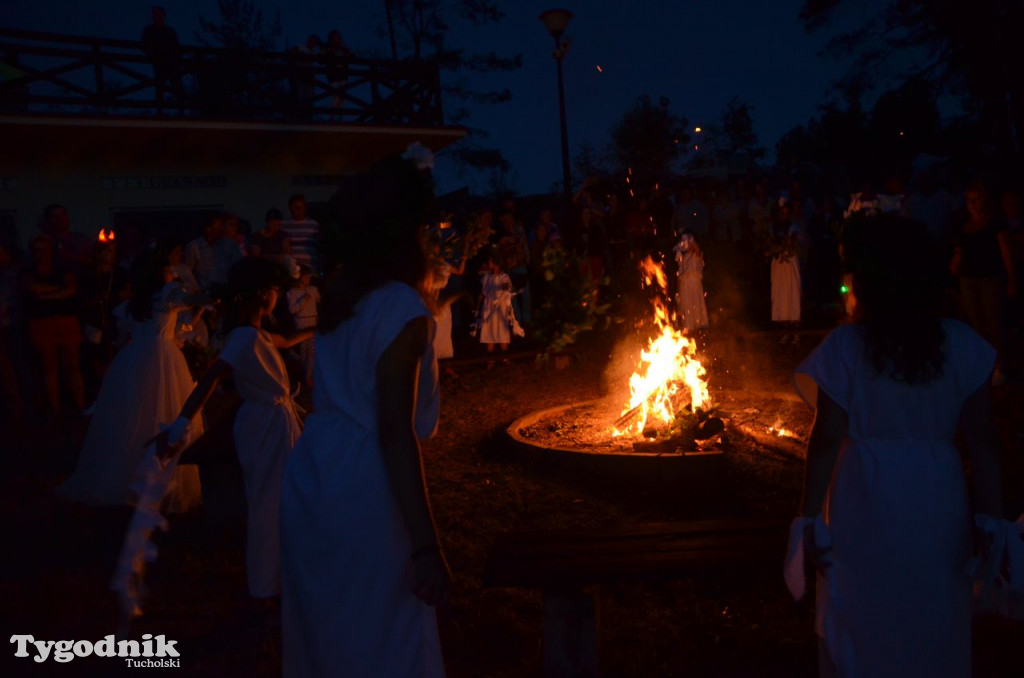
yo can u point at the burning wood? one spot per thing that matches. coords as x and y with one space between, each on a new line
669 377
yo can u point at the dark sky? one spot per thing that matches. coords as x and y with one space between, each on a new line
698 53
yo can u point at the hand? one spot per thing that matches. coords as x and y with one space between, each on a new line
814 553
432 580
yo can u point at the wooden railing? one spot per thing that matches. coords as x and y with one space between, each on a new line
53 74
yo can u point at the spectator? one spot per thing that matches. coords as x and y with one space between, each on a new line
303 232
272 241
303 79
54 330
984 266
210 256
160 43
303 300
72 250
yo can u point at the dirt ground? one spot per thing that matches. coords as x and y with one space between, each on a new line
58 558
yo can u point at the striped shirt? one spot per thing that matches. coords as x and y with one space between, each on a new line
304 235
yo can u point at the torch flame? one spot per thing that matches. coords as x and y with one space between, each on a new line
106 236
668 369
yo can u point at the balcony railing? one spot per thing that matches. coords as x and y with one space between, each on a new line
53 74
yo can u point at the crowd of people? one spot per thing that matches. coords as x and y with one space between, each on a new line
66 309
341 547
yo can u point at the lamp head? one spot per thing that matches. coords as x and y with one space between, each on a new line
556 21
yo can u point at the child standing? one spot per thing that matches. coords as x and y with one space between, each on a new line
693 312
785 271
497 321
266 426
303 299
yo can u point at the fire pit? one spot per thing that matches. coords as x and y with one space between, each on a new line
669 426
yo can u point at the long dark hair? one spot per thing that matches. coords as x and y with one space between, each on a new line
147 279
898 285
382 212
248 280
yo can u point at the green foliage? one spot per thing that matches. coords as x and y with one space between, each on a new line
571 302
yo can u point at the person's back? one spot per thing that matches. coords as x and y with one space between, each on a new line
885 492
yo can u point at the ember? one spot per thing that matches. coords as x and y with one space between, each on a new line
669 378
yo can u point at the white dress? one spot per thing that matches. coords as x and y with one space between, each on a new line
443 347
693 311
146 384
897 599
347 602
266 428
786 286
497 316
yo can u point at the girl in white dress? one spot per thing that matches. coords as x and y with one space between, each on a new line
361 562
886 511
785 272
497 321
266 426
693 312
146 384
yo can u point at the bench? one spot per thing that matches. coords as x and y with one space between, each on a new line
568 565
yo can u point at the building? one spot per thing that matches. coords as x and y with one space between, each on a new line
85 126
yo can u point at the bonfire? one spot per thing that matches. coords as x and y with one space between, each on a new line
668 390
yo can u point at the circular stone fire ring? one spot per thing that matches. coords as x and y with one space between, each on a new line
572 437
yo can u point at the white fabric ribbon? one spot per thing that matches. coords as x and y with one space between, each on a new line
153 479
793 570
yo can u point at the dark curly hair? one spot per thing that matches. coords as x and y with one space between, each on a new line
383 212
898 285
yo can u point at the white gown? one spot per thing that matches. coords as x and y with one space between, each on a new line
897 599
785 289
693 311
266 428
347 602
497 317
146 384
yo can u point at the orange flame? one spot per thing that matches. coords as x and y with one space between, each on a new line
106 236
668 369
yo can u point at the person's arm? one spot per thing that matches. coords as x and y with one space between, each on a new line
983 451
200 394
281 341
397 374
53 293
830 428
286 246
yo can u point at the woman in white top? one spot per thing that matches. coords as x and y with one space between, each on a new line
266 426
886 510
361 562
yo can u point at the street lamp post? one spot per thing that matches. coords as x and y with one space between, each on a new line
556 21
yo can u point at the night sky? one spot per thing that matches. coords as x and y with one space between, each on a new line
698 53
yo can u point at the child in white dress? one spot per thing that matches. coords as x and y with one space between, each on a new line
266 426
497 322
146 384
693 312
303 299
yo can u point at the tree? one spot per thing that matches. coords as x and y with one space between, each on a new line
969 50
649 139
737 132
240 26
420 28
